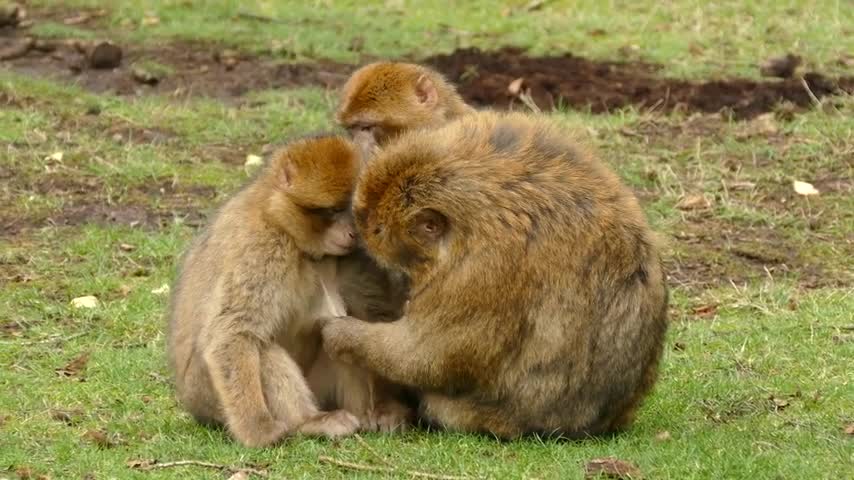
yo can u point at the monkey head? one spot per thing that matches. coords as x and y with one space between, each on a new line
381 100
399 212
312 181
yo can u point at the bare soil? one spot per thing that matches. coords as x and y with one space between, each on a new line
484 77
574 82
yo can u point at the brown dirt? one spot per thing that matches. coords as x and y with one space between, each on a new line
579 83
565 81
85 201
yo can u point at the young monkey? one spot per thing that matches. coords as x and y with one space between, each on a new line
382 100
244 331
538 303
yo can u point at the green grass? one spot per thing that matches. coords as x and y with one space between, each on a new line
760 388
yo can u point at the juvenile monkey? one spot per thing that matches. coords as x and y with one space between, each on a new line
538 303
244 335
382 100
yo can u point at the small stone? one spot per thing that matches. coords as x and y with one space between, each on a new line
105 55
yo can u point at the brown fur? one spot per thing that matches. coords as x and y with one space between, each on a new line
538 302
244 340
382 100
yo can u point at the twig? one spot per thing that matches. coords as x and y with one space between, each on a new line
199 463
376 468
812 96
371 449
46 340
526 98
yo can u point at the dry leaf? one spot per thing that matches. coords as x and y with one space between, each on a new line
141 463
101 439
126 247
515 87
849 429
162 290
88 301
75 366
694 202
778 404
781 67
611 467
56 156
68 417
239 475
804 188
762 126
662 436
253 161
705 311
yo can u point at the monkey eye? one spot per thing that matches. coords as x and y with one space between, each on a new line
325 212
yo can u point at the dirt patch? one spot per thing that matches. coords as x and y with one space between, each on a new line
579 83
566 81
85 201
178 69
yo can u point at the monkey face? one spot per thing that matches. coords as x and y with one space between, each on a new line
312 182
339 236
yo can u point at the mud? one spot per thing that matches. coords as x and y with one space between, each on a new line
564 81
86 201
568 81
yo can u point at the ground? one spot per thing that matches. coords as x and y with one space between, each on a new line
106 174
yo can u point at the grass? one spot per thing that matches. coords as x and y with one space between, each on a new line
756 377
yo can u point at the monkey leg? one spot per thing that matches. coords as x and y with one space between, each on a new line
463 415
393 351
196 392
234 363
290 398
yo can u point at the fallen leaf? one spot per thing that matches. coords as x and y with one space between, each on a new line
762 126
161 290
56 156
694 202
804 188
239 475
253 161
515 87
24 472
126 247
102 439
611 467
68 417
778 404
662 436
77 19
781 67
88 301
141 463
705 311
74 367
849 429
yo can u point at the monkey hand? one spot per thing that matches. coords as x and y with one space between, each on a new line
340 337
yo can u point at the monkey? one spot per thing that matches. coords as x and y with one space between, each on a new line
244 321
382 100
537 300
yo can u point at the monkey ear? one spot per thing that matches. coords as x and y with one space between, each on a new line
430 225
286 172
425 91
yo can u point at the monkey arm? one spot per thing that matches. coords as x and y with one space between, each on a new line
395 351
